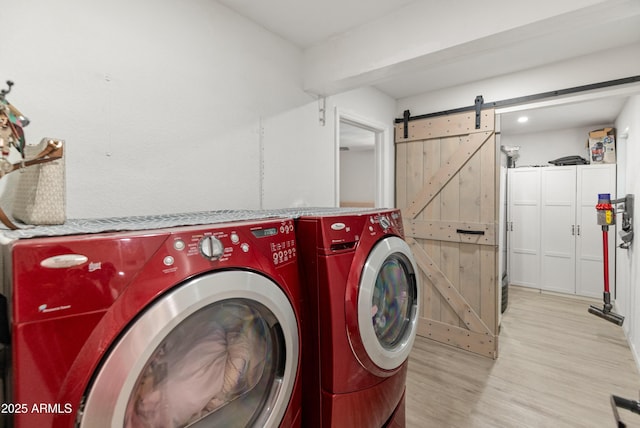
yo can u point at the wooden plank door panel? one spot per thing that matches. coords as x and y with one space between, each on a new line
446 185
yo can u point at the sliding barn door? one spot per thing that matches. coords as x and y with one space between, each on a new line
447 183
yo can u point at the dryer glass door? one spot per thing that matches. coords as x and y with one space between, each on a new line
388 303
215 352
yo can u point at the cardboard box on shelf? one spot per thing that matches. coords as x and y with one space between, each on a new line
602 145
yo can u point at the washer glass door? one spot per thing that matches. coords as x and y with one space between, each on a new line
217 365
221 350
388 303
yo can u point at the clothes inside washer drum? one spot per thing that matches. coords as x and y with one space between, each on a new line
200 367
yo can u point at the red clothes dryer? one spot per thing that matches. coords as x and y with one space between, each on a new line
362 305
182 326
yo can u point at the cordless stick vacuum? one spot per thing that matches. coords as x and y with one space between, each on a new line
606 217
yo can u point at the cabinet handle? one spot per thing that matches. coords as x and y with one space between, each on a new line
578 229
573 230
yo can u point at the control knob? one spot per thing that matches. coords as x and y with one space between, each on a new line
385 222
211 248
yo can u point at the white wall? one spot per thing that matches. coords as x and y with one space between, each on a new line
162 105
628 261
357 176
159 101
538 148
301 154
298 159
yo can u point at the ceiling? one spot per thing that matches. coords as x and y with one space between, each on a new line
598 112
355 138
306 23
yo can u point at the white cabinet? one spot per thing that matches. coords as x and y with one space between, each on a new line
555 242
558 229
523 214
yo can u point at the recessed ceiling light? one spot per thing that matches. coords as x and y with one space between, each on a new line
523 119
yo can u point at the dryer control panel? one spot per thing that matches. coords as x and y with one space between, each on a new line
342 233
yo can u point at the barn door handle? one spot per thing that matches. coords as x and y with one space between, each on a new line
470 232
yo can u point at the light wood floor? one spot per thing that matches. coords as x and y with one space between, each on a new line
557 367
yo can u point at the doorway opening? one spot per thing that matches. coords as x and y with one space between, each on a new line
363 166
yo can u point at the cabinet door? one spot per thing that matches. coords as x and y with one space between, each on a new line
524 230
558 228
593 179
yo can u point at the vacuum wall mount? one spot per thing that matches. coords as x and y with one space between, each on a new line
626 232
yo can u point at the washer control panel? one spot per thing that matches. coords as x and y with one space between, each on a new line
236 243
283 250
211 248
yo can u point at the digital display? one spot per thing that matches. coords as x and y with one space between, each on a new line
261 233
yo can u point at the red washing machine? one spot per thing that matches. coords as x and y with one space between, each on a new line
362 305
173 327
